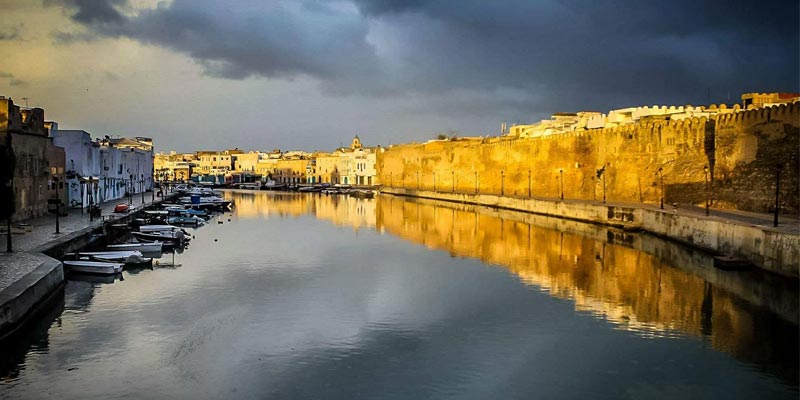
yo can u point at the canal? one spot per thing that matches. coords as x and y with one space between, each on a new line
326 297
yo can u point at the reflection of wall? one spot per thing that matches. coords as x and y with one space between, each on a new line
741 149
633 289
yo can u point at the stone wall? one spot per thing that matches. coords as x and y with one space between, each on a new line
740 149
30 141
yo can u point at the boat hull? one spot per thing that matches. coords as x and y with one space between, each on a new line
154 247
93 267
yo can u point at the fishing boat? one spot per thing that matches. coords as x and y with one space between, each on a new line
123 256
362 193
121 208
156 228
93 267
168 238
154 247
186 220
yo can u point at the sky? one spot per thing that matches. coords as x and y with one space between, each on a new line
311 74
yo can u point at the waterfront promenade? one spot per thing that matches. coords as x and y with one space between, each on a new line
26 275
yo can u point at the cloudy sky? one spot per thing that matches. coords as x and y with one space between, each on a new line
306 74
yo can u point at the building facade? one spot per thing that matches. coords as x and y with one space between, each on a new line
25 132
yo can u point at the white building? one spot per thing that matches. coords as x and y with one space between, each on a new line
106 169
82 159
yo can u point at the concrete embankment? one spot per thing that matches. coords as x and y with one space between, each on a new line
29 290
764 247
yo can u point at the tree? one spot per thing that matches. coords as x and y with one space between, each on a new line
8 162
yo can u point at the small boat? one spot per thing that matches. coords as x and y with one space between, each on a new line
154 247
93 267
157 228
121 208
186 220
156 213
124 256
166 237
362 193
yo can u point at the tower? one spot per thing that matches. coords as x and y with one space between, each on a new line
356 143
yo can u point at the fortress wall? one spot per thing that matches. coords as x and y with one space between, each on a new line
738 148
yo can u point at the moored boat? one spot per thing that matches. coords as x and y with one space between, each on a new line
154 247
157 228
93 267
186 220
123 256
166 237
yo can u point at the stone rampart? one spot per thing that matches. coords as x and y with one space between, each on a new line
741 150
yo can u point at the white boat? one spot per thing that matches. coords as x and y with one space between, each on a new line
109 255
124 256
94 267
167 237
142 247
158 228
156 212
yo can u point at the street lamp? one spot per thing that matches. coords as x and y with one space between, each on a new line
561 175
141 184
660 174
601 174
705 172
417 180
453 180
529 183
778 168
502 183
434 181
477 183
130 189
91 198
57 204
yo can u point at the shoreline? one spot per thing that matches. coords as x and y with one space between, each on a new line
766 248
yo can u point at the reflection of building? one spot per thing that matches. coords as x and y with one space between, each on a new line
25 131
634 290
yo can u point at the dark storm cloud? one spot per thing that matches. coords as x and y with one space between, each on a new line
564 54
92 11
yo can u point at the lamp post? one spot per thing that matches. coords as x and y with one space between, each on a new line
502 183
561 176
778 168
705 172
58 204
660 173
91 198
417 180
141 183
529 183
477 183
434 181
453 180
130 189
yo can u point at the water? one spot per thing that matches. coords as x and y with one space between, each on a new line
311 296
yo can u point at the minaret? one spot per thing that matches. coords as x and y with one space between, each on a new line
356 143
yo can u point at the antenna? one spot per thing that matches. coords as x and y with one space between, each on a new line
26 101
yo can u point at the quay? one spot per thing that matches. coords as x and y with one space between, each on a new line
31 274
734 235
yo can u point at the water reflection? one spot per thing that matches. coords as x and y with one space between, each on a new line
314 296
635 282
